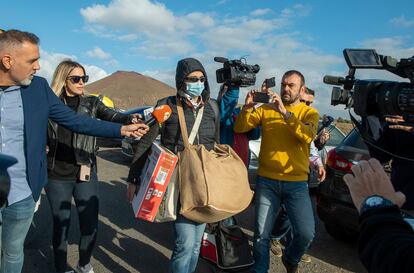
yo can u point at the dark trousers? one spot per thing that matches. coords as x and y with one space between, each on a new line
282 227
85 194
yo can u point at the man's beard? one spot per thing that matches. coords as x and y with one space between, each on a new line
290 100
25 82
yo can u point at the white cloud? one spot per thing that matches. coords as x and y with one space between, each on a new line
127 38
95 73
402 21
49 62
135 15
171 36
397 47
165 76
97 52
160 48
297 10
112 63
260 12
156 29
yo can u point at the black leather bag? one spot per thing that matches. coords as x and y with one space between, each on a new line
233 249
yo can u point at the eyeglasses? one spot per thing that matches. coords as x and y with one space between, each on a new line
76 79
306 102
195 79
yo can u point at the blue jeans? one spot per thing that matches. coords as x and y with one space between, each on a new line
282 228
15 223
60 193
270 194
188 235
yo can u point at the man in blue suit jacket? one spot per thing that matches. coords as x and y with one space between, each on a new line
26 104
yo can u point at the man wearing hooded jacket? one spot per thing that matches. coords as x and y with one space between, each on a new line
194 93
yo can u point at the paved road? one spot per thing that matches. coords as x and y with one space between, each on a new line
129 245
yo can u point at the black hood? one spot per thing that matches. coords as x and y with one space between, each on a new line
185 67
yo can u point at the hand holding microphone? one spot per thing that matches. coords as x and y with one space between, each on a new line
158 116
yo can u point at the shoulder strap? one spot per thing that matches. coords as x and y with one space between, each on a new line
214 105
183 125
196 125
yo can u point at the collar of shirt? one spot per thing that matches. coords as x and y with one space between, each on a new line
9 88
193 101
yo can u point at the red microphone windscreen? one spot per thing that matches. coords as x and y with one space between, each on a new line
162 113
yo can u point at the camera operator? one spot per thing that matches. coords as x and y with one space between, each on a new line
386 242
288 127
227 100
395 143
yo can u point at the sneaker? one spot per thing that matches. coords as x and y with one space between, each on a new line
306 258
276 248
290 268
85 269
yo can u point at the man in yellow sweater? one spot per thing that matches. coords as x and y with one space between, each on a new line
288 127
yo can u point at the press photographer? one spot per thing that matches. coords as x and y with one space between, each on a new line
387 112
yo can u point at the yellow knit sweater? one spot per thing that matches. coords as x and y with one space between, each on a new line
284 150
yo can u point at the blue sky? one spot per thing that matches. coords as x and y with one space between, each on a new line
150 37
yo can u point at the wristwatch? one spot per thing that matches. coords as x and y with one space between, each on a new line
287 115
375 202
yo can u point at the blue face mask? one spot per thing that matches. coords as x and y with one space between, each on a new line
194 89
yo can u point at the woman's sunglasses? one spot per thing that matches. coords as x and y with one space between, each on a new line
76 79
195 79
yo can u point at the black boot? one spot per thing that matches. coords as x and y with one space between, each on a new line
290 268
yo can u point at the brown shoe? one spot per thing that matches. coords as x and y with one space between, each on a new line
306 258
276 248
290 268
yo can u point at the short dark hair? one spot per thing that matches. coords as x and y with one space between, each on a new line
294 72
15 37
310 91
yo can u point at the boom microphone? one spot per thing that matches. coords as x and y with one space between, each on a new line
333 80
159 115
220 59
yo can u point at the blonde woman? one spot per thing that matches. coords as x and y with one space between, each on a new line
72 166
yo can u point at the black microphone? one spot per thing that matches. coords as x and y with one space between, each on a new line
327 120
333 80
220 59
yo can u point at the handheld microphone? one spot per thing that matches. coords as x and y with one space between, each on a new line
159 115
326 122
333 80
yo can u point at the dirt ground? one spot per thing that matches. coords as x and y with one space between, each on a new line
344 127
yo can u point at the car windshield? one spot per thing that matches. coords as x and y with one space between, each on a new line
353 139
336 136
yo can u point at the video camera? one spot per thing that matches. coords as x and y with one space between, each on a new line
375 97
236 72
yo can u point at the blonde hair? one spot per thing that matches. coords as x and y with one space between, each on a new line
61 73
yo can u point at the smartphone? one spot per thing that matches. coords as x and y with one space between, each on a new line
85 173
261 97
270 82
